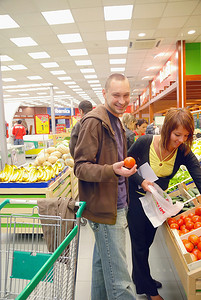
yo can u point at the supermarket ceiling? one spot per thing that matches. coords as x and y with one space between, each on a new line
74 45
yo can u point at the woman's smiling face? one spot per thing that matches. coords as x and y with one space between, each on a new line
178 136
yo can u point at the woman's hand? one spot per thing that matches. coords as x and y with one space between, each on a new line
119 169
145 185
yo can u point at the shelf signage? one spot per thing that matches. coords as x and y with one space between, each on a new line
60 111
42 124
165 72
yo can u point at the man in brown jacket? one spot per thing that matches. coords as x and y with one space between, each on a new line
99 155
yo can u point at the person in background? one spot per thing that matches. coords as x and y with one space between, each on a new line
164 153
141 127
18 132
99 166
84 107
152 128
129 121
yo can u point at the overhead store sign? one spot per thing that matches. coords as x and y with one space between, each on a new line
60 111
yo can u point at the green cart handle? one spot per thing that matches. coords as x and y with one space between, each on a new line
82 206
2 204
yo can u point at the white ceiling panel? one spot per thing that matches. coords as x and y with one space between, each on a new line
164 20
154 10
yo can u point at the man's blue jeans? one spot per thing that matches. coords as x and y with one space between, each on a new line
18 142
110 276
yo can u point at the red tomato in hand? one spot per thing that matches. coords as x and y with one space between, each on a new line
129 162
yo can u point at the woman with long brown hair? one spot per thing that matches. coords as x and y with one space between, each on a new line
164 153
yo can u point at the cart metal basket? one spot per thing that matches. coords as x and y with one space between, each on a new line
38 254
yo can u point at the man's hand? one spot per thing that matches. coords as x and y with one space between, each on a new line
145 185
119 169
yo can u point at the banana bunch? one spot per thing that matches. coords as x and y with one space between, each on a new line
31 173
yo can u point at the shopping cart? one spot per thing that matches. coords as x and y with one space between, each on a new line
34 261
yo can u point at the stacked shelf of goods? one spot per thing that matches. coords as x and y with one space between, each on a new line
189 271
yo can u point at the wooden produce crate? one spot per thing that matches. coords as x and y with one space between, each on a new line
61 187
189 271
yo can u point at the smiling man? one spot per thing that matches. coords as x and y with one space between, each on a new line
99 155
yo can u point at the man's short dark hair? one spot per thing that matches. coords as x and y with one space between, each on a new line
19 121
85 106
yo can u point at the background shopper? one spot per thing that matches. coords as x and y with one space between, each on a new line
129 121
141 127
18 132
165 153
84 107
99 154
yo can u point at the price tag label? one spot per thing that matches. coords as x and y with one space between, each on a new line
42 124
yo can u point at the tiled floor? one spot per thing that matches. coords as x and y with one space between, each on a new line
160 260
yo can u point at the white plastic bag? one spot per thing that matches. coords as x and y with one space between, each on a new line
158 205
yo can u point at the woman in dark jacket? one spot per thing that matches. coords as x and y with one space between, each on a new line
164 153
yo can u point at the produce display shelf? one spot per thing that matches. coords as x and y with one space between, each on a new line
188 271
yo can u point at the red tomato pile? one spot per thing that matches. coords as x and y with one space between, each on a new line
193 246
186 223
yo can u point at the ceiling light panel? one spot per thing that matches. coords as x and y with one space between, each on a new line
90 76
118 50
24 41
59 72
64 78
5 58
86 62
117 69
69 38
38 55
58 17
118 61
50 65
87 70
34 77
17 67
78 52
121 12
4 68
117 35
7 22
69 82
8 79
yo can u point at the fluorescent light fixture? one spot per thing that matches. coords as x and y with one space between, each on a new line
34 77
69 82
24 41
191 31
69 38
117 50
117 35
73 86
50 65
87 70
147 77
141 34
97 89
60 92
8 79
17 67
93 81
7 22
118 61
78 52
86 62
42 93
65 78
117 69
95 85
6 96
153 68
4 68
58 17
59 72
161 54
90 76
38 55
77 90
5 58
121 12
23 95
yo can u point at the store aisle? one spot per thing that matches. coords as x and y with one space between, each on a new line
161 264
